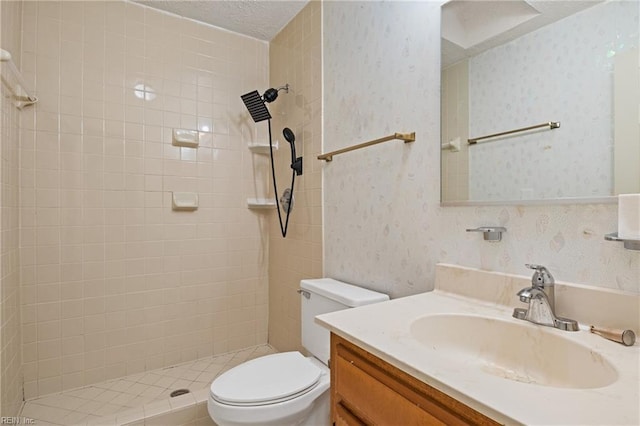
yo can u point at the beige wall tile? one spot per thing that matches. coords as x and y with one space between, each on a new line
11 364
294 58
115 282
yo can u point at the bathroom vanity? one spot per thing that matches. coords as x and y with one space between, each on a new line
457 356
368 390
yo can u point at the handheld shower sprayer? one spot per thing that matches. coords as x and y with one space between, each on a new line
296 162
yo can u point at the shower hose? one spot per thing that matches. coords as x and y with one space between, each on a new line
283 228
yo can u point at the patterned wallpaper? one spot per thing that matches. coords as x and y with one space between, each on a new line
384 227
562 72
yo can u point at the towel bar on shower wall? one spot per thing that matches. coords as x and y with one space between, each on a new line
406 137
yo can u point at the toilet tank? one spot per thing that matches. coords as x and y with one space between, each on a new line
328 295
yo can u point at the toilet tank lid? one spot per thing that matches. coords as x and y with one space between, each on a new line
347 294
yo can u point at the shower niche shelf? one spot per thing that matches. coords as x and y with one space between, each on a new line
261 203
262 148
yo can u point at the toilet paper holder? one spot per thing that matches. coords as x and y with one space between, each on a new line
628 244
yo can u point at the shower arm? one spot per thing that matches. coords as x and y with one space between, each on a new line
285 88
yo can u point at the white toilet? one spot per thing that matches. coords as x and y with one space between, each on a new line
288 388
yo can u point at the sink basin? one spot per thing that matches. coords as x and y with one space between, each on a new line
515 351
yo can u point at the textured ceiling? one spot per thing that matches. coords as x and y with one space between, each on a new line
261 19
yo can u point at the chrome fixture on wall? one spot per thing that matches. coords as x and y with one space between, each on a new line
256 105
491 233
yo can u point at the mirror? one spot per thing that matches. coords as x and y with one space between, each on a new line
508 65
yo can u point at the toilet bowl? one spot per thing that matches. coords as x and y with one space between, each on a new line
287 389
280 390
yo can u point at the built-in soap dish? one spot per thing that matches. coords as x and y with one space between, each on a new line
185 201
261 203
262 148
185 138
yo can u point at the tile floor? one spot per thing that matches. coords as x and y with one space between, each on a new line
89 404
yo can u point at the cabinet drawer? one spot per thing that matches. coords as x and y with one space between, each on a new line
374 401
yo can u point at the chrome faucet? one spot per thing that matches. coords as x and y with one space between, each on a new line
541 299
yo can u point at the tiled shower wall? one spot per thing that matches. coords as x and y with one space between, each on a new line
113 281
295 58
10 332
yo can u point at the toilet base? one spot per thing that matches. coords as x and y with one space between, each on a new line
317 414
320 413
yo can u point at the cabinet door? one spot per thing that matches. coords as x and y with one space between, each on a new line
344 417
368 390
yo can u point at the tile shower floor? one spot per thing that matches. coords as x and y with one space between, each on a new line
105 400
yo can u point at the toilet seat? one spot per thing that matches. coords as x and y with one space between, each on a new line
266 380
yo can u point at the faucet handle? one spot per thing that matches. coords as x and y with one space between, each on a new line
542 277
525 295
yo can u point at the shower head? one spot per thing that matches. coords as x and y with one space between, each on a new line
256 104
288 135
296 162
291 138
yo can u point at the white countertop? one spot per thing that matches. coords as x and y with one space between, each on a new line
384 330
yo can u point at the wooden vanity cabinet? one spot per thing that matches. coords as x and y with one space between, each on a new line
366 390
